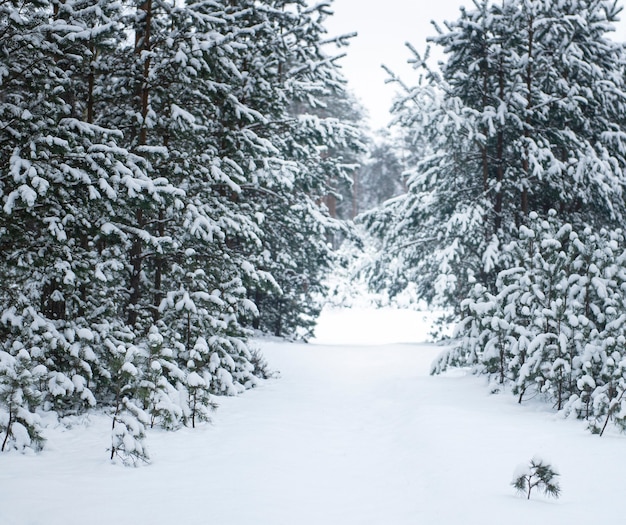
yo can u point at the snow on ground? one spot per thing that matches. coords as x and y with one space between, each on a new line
353 432
362 325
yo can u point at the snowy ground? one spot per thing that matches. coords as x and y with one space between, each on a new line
354 431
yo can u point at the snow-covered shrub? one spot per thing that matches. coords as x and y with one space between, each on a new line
20 426
128 429
604 394
199 400
128 434
160 385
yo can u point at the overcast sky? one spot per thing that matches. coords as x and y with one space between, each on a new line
383 27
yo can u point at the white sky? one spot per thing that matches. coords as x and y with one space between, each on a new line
384 26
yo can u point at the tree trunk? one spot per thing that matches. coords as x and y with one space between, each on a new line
136 261
529 78
91 81
499 159
8 432
142 47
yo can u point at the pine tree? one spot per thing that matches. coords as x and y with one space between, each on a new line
128 434
379 178
20 425
160 388
311 127
153 173
68 175
525 116
129 421
540 475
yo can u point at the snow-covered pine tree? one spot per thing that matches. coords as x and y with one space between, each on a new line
315 144
346 153
161 385
600 289
184 269
208 377
437 233
20 396
380 177
525 115
129 421
151 150
63 179
548 358
554 326
538 474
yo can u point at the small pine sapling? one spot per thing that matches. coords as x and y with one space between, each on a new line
128 430
609 400
20 426
157 390
200 404
538 474
128 434
261 368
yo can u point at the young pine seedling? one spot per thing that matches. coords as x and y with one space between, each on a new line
538 474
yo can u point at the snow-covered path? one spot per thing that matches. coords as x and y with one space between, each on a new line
348 435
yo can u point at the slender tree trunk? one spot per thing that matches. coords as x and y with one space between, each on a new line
142 48
8 431
91 82
484 153
502 361
158 271
144 45
193 410
278 328
529 79
159 259
355 194
609 413
136 262
188 331
258 298
499 158
117 411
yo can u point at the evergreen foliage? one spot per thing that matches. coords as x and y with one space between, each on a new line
516 198
537 475
19 398
128 434
155 182
380 176
526 115
555 325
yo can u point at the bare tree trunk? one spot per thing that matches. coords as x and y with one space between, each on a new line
142 47
158 271
159 260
